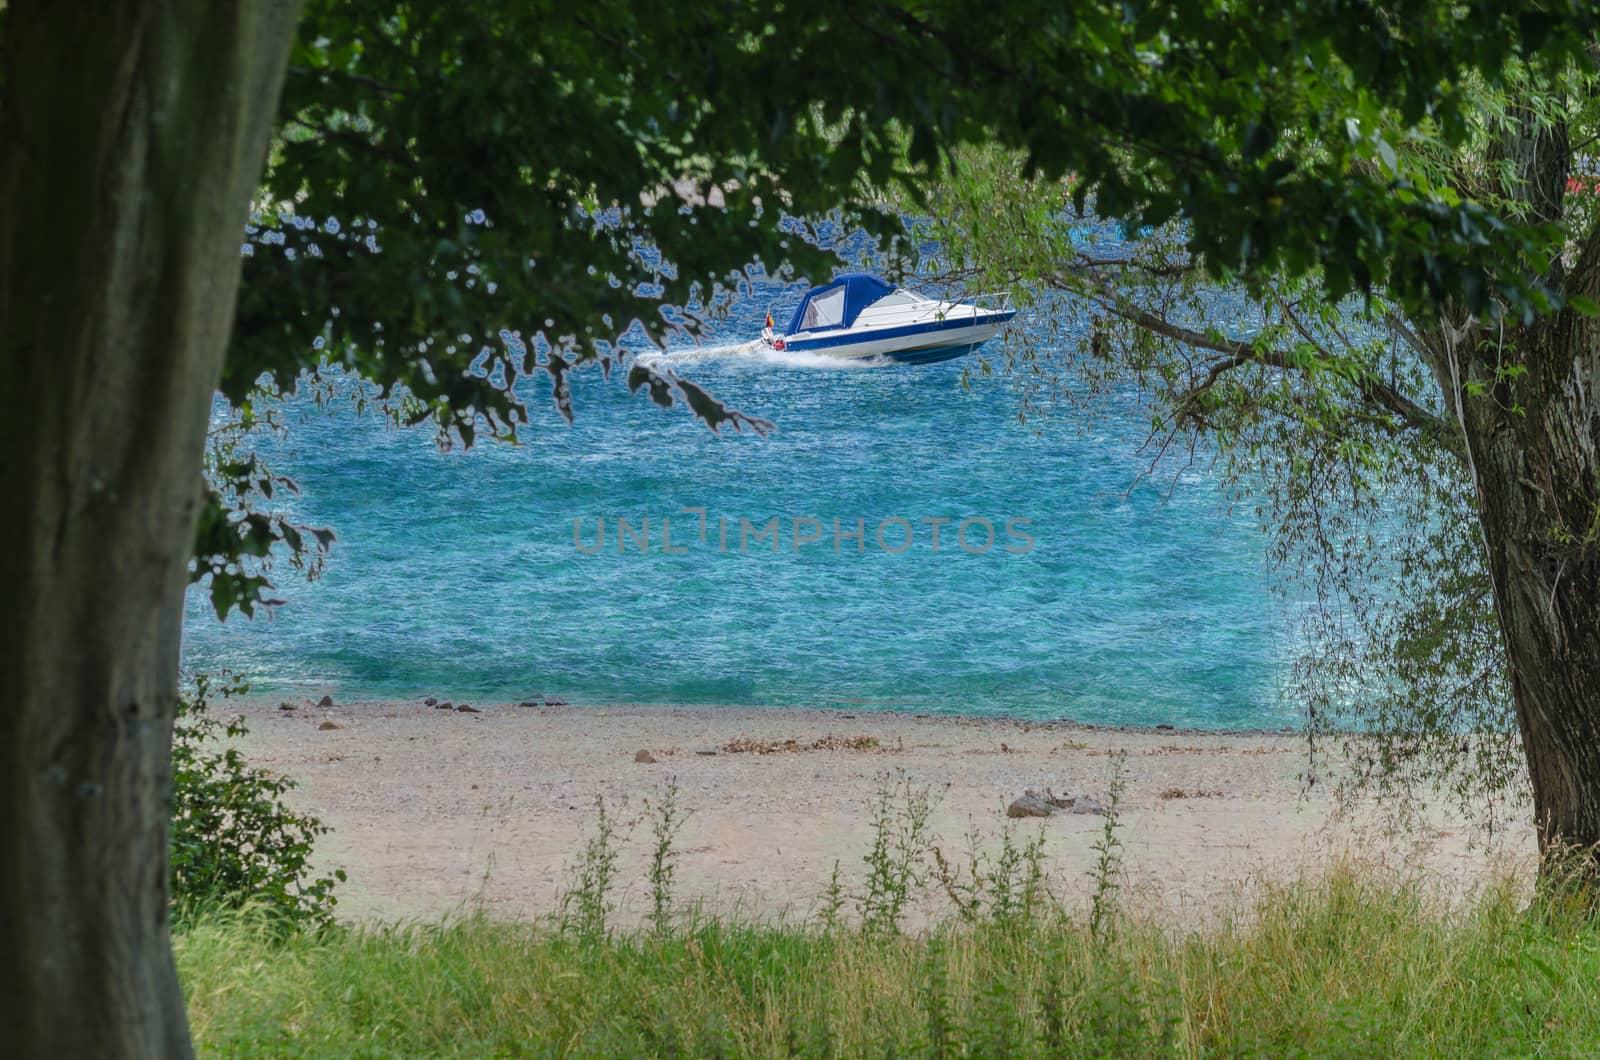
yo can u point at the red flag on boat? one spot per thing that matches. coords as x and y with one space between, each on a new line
769 318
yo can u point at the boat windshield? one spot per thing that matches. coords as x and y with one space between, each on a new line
825 310
835 304
900 297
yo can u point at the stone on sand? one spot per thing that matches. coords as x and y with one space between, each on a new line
1030 804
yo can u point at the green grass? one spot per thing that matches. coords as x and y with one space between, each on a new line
1350 965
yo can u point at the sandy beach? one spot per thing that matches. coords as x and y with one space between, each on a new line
438 810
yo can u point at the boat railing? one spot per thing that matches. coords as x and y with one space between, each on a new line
999 302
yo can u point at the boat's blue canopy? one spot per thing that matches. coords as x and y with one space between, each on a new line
837 303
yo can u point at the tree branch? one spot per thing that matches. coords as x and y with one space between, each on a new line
1400 411
1406 332
1086 263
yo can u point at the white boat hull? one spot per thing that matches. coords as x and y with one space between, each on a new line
858 317
952 334
865 345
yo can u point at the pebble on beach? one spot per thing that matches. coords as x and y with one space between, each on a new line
645 757
325 701
1035 804
1029 804
330 725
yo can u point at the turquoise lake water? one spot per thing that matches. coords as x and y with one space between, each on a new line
458 573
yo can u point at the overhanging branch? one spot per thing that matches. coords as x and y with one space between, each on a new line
1399 412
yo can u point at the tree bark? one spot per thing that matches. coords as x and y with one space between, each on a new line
1539 491
131 141
1533 441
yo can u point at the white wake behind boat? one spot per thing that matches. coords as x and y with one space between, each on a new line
858 316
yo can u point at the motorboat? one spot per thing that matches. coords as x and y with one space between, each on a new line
858 316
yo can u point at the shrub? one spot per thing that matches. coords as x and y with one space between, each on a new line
897 862
587 906
234 840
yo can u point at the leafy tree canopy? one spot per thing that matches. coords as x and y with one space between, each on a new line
1341 419
462 195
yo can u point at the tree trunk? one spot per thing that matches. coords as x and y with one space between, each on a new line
131 141
1528 400
1539 490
